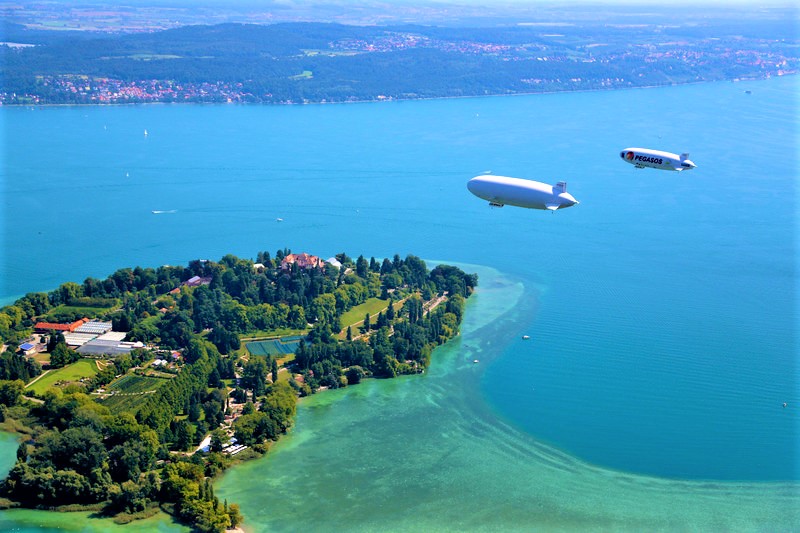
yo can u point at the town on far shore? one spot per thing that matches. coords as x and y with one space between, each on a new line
184 371
297 62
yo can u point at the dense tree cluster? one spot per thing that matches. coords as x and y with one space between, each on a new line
62 355
13 366
83 453
400 343
273 418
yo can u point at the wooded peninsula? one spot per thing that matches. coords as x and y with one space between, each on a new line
131 394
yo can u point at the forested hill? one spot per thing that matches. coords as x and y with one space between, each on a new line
316 62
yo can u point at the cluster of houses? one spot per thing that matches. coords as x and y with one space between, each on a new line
231 449
87 337
303 261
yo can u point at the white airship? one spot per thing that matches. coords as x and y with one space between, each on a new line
502 190
645 157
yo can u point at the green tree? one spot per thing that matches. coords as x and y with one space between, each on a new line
22 452
133 457
362 267
53 340
62 356
129 498
184 435
255 375
354 375
78 448
11 392
274 369
219 439
253 428
234 515
280 405
195 351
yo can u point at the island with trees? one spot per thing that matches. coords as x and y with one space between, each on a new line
202 367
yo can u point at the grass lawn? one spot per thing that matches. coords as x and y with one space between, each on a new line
69 374
283 376
355 316
42 358
285 359
56 313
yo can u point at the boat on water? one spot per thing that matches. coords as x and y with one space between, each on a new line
160 212
526 337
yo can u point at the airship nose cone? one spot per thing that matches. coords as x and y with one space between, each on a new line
477 185
568 200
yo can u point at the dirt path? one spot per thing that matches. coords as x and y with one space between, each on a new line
37 378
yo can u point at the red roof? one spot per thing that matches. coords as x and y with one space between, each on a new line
47 326
303 260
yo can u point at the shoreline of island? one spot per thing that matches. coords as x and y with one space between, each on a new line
207 387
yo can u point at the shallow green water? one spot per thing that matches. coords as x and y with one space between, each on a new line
425 453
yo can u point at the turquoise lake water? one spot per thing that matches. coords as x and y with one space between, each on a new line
662 310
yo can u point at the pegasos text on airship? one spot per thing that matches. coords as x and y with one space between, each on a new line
645 157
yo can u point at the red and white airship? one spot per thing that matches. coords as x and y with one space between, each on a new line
645 157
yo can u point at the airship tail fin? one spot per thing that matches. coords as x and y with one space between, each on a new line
685 156
560 187
552 207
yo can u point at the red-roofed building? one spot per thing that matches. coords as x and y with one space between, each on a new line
196 281
51 326
304 261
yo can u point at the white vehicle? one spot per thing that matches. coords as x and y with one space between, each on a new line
645 157
502 190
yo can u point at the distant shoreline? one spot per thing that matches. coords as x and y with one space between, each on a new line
387 100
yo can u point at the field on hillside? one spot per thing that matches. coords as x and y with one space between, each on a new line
63 376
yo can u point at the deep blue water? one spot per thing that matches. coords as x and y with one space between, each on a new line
662 310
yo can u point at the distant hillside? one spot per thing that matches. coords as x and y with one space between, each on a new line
315 62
